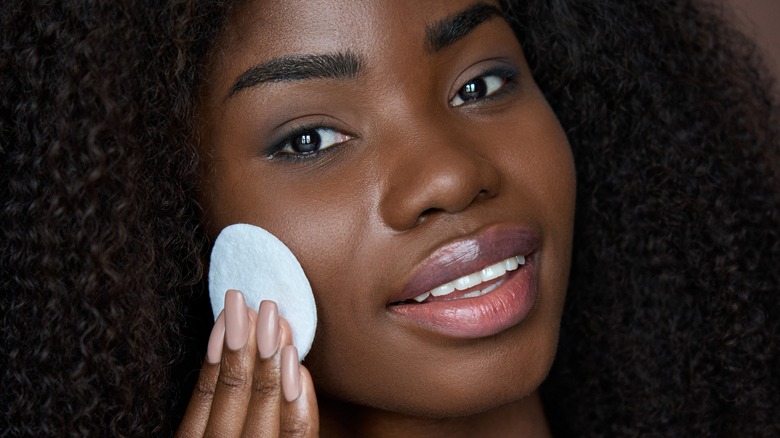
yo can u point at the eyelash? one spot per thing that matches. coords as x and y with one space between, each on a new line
283 148
506 75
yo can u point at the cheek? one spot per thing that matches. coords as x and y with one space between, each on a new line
546 174
535 159
539 172
320 219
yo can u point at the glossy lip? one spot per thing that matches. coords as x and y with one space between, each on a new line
466 256
475 317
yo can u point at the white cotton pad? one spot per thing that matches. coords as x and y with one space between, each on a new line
254 261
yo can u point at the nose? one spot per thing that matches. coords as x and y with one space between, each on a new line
435 171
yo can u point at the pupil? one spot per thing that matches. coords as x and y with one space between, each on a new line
307 142
473 90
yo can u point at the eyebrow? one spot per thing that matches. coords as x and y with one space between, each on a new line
341 65
447 31
345 65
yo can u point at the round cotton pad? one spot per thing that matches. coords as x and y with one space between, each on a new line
254 261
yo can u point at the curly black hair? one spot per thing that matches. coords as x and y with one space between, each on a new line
100 238
671 325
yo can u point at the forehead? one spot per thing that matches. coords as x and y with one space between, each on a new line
264 29
279 27
324 25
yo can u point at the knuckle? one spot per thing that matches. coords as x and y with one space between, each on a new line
233 381
294 427
205 389
265 388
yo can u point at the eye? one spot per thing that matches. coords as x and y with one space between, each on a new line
481 87
308 141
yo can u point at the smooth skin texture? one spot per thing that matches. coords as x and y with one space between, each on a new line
409 160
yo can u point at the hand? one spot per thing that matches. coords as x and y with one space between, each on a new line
251 383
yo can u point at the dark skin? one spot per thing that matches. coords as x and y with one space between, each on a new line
397 157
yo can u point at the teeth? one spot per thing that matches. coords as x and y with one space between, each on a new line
421 298
493 271
479 293
444 289
468 281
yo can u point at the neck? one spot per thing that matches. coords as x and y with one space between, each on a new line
518 419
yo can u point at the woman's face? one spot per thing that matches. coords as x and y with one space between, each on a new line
396 147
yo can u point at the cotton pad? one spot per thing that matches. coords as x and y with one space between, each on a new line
252 260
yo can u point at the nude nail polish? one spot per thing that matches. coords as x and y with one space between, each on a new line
236 320
216 340
291 373
267 329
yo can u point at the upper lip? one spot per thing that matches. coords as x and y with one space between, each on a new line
468 255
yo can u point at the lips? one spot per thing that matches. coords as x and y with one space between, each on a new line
473 287
474 284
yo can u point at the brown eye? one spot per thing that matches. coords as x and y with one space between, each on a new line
306 142
473 90
480 87
309 141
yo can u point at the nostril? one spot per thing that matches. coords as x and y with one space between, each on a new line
484 195
433 211
426 214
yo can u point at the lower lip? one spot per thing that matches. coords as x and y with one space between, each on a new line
477 317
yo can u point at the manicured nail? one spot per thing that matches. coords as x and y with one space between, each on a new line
267 329
291 374
236 320
216 340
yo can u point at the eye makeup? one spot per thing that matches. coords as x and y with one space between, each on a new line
491 84
307 141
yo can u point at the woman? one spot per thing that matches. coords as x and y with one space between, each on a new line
417 151
430 136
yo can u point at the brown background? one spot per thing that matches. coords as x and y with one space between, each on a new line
760 19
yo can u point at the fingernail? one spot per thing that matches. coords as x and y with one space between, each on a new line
216 339
291 375
236 320
267 329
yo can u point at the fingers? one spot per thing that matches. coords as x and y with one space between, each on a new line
252 383
263 417
234 383
300 417
291 373
279 406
